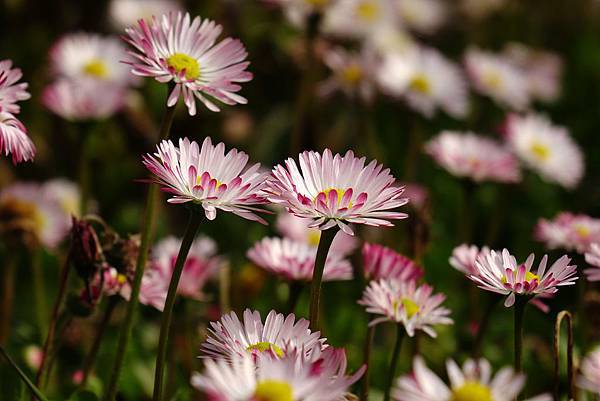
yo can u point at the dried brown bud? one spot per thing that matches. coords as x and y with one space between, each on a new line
86 253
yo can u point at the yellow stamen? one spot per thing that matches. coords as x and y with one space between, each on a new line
266 346
352 74
492 79
368 11
420 83
340 194
180 62
582 231
273 390
96 68
472 391
121 279
529 277
410 307
540 151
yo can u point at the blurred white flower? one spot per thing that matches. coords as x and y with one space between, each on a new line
423 16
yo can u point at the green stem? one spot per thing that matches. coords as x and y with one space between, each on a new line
84 168
295 289
564 315
520 304
100 330
39 290
466 223
484 324
225 288
146 239
186 243
62 291
32 387
367 360
325 242
8 296
394 362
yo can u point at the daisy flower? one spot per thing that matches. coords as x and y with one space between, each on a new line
568 231
11 91
176 48
500 273
494 76
287 379
83 99
437 83
480 9
473 156
589 379
90 56
380 262
297 12
423 16
124 13
416 308
293 260
208 177
396 71
353 74
464 257
359 19
337 190
66 194
279 336
14 139
593 258
28 214
546 148
474 381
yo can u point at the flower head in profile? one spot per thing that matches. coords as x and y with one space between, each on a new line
546 148
90 56
380 262
176 48
436 83
13 134
464 257
353 74
497 77
415 307
279 336
83 99
568 231
474 381
589 378
292 378
500 273
337 190
593 258
293 260
474 156
124 13
208 177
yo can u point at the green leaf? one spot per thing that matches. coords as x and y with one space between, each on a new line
36 392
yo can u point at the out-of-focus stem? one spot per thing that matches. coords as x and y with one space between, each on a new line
520 304
225 288
466 214
394 362
295 290
186 243
146 239
39 289
484 324
564 315
8 296
325 242
367 359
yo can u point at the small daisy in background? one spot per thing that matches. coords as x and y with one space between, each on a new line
184 51
359 19
380 262
208 177
352 73
464 257
298 12
279 336
474 381
291 378
593 258
495 76
14 140
124 13
569 231
473 156
546 148
423 16
589 377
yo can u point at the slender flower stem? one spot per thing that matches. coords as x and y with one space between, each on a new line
62 291
100 330
394 362
466 215
39 289
225 288
186 243
520 304
325 242
7 297
146 239
84 167
367 359
484 324
564 315
294 295
32 387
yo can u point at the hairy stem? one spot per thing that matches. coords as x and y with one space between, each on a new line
394 362
325 242
520 304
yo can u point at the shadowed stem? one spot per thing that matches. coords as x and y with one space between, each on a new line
520 304
62 291
100 330
186 243
146 239
367 359
394 362
325 242
32 387
484 324
8 295
564 315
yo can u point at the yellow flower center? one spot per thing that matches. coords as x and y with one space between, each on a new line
266 346
352 74
582 231
340 194
529 277
410 307
96 68
420 83
273 390
540 151
317 3
199 181
121 279
492 79
368 11
472 391
180 62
